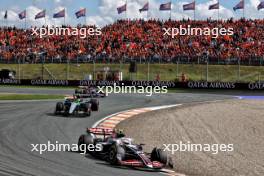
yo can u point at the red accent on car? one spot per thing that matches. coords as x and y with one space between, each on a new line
157 164
102 131
135 163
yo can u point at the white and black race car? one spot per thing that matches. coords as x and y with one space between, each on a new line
120 150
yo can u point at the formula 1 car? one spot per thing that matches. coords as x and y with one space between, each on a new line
75 106
86 92
120 150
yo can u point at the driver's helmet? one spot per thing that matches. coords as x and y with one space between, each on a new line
77 99
120 134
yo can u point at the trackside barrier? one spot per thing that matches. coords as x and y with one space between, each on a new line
169 84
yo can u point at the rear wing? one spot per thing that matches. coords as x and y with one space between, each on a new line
101 131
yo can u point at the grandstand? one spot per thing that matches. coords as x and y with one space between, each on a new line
143 42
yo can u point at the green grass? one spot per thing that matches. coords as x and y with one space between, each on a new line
29 97
168 72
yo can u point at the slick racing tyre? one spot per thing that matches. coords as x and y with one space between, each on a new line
78 91
95 104
87 109
159 155
116 154
59 108
81 144
84 141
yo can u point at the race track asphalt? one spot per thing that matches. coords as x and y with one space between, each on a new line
23 123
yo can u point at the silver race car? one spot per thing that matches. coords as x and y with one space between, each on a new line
76 106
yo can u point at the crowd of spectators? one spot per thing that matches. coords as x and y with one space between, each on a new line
138 40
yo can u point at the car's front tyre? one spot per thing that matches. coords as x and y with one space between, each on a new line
59 108
159 155
116 154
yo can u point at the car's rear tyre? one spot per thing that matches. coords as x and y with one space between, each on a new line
81 144
159 155
84 141
87 109
116 153
95 104
77 91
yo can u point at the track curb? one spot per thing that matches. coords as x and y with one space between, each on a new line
111 121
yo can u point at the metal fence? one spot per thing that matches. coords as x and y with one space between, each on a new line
228 70
34 59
